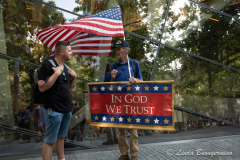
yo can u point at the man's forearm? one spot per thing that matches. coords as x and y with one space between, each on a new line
72 84
45 86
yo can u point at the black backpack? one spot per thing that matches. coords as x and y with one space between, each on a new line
134 66
38 96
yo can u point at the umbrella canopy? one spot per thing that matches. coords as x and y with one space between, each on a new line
91 35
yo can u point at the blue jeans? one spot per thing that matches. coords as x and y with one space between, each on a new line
56 125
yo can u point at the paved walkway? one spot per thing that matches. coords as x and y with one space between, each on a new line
219 148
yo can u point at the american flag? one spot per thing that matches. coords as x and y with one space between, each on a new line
91 35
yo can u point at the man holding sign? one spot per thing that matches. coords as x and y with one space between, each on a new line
120 72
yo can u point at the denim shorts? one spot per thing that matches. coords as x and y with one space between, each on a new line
56 125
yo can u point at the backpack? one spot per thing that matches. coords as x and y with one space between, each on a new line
134 66
38 96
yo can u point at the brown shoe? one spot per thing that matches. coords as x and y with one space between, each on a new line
134 158
124 157
109 142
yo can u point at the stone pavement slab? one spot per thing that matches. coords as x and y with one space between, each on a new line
219 148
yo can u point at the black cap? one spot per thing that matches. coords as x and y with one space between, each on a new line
121 43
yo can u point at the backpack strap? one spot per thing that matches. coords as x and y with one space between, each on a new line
52 62
66 66
134 67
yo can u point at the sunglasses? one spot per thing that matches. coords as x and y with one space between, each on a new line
64 75
74 103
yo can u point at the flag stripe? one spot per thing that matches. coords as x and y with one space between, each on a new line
49 35
47 30
92 28
62 36
97 22
92 54
55 39
78 36
66 37
104 20
91 47
91 51
93 42
49 38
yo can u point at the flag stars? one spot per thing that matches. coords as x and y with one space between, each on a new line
166 121
137 88
112 119
111 88
119 88
102 88
104 118
146 88
128 88
156 88
96 118
156 120
120 119
94 88
138 120
147 120
165 88
129 119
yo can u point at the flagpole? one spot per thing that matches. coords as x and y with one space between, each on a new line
127 54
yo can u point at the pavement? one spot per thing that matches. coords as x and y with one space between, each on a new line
225 147
208 143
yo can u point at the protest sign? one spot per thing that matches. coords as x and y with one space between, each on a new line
144 105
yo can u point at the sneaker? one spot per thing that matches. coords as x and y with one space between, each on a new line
128 134
124 157
24 141
38 139
109 142
19 139
89 138
96 138
15 141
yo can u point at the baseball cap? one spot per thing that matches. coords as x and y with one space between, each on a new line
121 43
